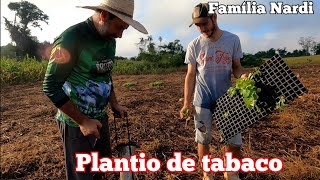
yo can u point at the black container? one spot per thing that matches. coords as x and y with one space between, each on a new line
276 79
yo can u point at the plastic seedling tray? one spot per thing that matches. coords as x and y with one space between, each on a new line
276 79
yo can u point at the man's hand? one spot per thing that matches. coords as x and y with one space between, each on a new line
119 111
244 75
91 127
185 112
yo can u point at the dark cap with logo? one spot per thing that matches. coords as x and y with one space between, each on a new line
199 11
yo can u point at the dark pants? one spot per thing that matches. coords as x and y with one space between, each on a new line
75 142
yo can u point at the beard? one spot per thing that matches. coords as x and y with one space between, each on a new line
103 30
210 33
212 30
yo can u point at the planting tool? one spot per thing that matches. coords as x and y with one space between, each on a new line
124 149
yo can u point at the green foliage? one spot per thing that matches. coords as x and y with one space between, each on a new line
172 47
156 84
144 56
317 49
129 84
297 53
9 51
226 114
168 64
27 13
17 71
247 89
186 114
166 56
163 60
265 54
281 103
250 60
302 60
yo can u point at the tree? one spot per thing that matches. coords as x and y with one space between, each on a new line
266 54
307 43
147 45
9 51
316 49
28 14
142 44
173 47
250 60
151 45
160 40
282 52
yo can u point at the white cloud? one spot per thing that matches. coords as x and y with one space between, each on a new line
170 20
126 46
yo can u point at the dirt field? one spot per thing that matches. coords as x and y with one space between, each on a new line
31 147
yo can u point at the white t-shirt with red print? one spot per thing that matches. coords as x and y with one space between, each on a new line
214 66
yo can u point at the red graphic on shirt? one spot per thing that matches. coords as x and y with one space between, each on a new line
201 58
218 57
223 56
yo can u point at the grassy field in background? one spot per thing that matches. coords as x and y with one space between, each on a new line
15 71
300 60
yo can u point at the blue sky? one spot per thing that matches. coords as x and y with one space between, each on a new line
170 20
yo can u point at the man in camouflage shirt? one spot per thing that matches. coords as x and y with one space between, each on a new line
79 83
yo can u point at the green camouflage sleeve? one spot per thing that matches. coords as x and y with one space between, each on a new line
61 62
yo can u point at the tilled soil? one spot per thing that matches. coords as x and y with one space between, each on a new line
31 147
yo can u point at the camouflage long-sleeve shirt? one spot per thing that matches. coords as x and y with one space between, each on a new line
79 69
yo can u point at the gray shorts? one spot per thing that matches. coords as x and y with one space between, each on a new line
203 128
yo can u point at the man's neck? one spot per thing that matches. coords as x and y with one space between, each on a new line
216 35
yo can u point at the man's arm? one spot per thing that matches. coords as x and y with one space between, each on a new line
237 69
87 126
59 68
188 89
115 107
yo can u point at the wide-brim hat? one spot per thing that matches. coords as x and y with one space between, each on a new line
122 9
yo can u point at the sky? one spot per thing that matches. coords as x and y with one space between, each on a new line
170 19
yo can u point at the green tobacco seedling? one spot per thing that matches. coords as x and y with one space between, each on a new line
186 113
281 103
156 84
246 87
129 84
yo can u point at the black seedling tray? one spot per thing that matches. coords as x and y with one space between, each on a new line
276 79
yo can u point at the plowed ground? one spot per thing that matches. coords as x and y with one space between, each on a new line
31 147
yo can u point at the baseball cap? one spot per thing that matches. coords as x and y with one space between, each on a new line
199 11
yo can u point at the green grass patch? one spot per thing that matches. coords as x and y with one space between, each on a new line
144 67
156 84
15 71
302 60
129 84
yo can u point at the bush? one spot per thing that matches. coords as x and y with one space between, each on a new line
25 70
250 60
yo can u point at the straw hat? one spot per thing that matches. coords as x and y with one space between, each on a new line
123 9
